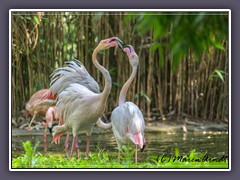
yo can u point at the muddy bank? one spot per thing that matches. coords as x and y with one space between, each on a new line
159 127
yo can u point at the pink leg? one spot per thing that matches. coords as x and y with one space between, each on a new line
73 145
76 147
136 155
87 146
29 126
66 145
45 138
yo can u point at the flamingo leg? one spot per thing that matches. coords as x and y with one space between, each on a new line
66 145
87 146
75 145
136 155
45 138
29 126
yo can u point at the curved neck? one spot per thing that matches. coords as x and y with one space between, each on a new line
123 92
103 125
107 77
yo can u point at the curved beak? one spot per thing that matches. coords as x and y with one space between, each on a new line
119 42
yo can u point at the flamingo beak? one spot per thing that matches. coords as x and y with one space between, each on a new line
50 130
119 42
141 150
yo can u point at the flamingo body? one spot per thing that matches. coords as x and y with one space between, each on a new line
73 103
128 124
32 106
79 103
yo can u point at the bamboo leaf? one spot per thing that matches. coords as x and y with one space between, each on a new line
117 84
142 94
219 73
36 19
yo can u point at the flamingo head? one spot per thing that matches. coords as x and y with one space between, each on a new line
138 139
110 42
132 55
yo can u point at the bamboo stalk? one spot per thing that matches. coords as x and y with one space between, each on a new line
36 51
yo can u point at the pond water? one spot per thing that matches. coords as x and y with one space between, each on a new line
215 144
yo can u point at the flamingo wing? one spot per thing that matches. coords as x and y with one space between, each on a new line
74 72
74 99
34 99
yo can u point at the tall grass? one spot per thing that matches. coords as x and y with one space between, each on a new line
102 159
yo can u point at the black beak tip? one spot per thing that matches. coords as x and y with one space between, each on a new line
120 45
50 130
143 148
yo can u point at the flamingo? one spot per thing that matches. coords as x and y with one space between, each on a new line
79 103
51 115
35 109
127 119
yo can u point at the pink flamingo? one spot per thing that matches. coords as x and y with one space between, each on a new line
51 115
34 108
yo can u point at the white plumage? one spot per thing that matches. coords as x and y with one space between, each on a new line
74 72
128 124
79 102
127 119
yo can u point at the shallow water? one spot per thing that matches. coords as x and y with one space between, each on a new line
215 144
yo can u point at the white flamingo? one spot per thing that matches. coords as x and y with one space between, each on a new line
79 103
127 119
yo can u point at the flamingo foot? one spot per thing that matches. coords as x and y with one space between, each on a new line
56 138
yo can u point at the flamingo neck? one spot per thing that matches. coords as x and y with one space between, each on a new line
108 81
123 92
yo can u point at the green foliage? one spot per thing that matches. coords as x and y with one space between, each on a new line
218 74
102 159
36 19
162 40
30 158
192 160
126 155
182 31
